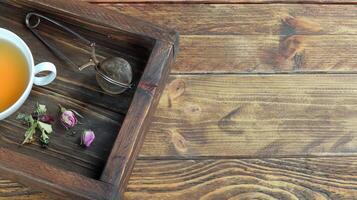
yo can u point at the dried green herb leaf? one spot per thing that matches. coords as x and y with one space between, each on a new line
45 127
29 134
25 118
41 109
34 123
44 139
21 116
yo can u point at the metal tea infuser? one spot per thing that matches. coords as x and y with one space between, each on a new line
114 74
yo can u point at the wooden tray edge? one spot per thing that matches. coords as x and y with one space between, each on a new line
128 143
31 171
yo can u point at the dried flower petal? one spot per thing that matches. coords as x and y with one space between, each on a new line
46 118
68 119
87 138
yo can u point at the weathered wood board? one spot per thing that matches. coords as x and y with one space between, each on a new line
224 131
256 116
66 169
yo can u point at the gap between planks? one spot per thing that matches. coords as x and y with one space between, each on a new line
225 1
183 158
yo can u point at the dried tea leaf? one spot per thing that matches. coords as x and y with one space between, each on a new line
41 109
45 127
29 134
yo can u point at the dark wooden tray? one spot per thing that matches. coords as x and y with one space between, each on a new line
66 169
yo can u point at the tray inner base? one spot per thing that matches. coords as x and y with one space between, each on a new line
102 113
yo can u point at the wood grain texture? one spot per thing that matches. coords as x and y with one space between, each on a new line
267 54
225 38
39 174
289 116
263 116
255 116
128 143
10 190
225 1
247 19
288 178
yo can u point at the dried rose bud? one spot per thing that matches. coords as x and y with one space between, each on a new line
68 119
46 118
87 138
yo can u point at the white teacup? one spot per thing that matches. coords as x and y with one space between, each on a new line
32 69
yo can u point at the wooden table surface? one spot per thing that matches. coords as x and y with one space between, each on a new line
261 103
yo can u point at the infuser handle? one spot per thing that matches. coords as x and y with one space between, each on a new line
39 16
58 53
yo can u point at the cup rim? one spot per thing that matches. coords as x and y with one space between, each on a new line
27 53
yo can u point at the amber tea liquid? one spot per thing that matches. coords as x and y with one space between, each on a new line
14 74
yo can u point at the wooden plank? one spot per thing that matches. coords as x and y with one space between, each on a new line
11 190
243 179
256 53
255 116
291 38
233 19
224 1
267 54
288 178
